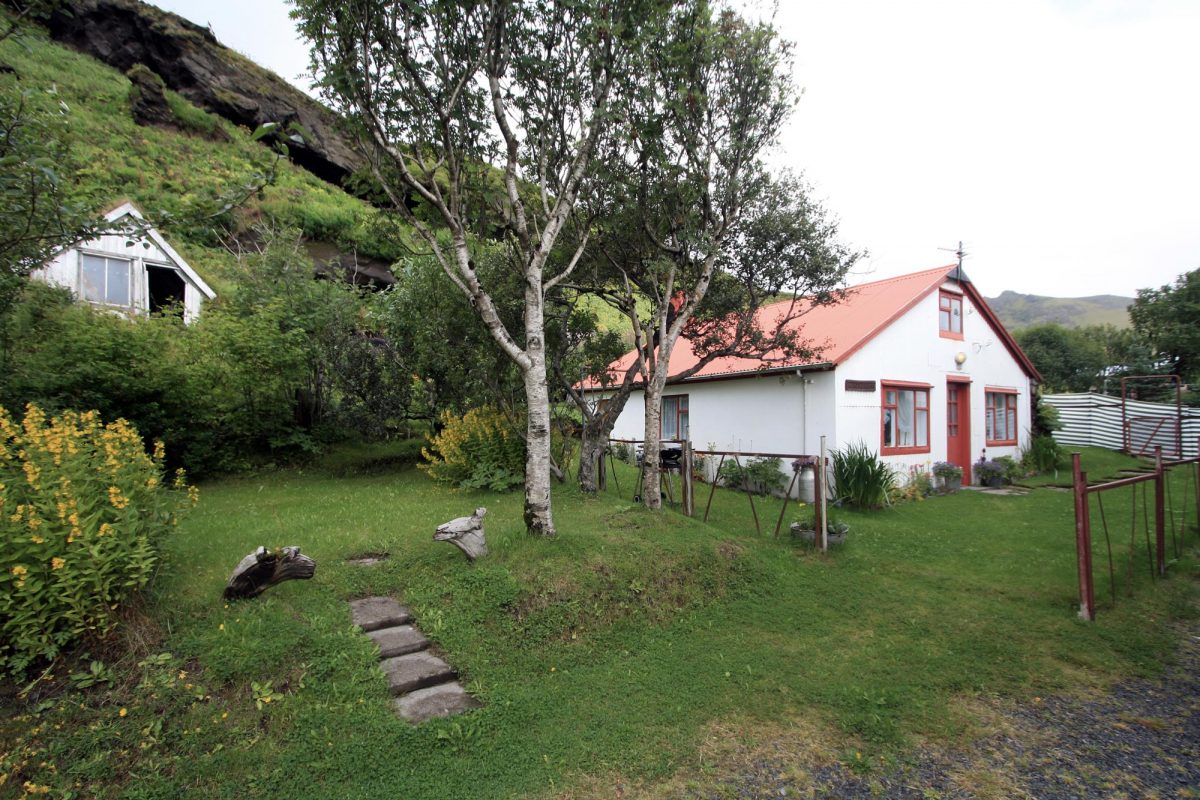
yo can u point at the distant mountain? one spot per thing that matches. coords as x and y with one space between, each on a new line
1022 310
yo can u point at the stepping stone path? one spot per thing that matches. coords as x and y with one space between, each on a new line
425 685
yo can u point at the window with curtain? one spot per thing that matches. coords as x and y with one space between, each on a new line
675 417
105 280
1001 419
905 425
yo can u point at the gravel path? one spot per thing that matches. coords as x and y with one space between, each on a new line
1141 740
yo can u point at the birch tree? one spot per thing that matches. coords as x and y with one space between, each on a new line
485 119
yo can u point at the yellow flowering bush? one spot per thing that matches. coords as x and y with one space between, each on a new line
478 450
82 505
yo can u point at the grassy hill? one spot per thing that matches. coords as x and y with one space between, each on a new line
1022 310
176 175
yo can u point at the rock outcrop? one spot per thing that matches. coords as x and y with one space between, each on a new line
193 63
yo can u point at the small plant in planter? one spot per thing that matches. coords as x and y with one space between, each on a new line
990 473
950 475
805 530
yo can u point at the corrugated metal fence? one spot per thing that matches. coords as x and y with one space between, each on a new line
1095 420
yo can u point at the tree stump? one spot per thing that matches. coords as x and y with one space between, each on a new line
465 533
264 568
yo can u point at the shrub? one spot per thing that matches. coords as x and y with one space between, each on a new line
944 469
82 506
989 471
918 486
476 451
1013 471
861 478
1042 455
759 475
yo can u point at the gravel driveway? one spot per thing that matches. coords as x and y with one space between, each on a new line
1140 740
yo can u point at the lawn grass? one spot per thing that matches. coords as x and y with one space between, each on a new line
615 653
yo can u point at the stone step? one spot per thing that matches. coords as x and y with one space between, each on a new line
415 671
398 641
442 700
373 613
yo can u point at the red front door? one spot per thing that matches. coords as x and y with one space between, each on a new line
958 426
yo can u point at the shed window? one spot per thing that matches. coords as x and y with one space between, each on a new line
675 417
950 315
905 426
105 280
1001 416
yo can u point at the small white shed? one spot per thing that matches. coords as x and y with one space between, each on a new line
131 270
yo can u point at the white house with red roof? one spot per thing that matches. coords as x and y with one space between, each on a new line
132 270
917 367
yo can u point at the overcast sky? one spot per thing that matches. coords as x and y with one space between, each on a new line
1058 139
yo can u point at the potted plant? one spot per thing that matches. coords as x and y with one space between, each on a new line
990 473
949 475
805 531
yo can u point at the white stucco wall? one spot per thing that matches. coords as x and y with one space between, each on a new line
764 414
911 350
789 413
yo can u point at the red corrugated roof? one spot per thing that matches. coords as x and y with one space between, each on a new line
838 330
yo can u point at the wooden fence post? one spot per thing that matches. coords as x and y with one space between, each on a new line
688 495
1160 542
1083 541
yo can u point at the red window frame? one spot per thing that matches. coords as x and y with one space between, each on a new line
1008 406
681 415
920 407
948 303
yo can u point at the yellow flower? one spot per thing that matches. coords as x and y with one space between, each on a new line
18 570
116 498
37 539
160 452
151 482
32 473
122 712
194 495
57 563
105 529
34 523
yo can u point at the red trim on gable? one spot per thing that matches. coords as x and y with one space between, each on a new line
939 275
844 328
1010 343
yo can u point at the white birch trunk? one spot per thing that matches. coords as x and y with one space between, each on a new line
652 483
539 520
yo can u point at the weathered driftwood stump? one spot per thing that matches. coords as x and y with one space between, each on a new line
264 568
465 533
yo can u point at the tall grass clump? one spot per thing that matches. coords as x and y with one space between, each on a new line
861 478
1043 454
82 507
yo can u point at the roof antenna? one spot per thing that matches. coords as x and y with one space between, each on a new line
961 255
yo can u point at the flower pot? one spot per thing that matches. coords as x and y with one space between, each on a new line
951 483
809 536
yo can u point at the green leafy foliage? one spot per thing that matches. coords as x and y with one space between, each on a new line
760 476
37 212
861 478
82 509
1166 318
1043 455
479 450
273 370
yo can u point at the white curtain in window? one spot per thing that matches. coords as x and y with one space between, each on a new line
904 413
670 416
